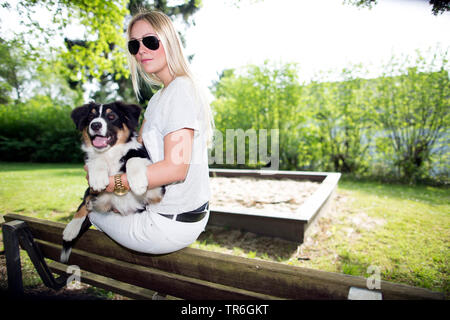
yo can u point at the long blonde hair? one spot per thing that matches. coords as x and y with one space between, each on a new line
176 61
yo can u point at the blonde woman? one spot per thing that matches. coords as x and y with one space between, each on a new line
176 131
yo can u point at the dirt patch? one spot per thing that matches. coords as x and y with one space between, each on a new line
364 222
316 242
248 244
278 195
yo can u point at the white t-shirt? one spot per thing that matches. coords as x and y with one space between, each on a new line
170 109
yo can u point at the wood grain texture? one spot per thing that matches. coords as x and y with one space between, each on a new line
199 274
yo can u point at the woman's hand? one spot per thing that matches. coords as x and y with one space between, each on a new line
139 138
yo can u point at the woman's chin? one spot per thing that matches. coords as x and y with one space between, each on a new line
149 68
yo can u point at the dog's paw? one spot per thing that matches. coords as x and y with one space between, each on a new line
99 180
137 175
154 195
73 229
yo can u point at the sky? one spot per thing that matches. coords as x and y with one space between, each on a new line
319 35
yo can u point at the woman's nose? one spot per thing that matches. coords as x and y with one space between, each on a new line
142 48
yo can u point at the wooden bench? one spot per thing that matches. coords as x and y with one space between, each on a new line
186 274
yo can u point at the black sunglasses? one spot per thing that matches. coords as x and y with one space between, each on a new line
150 42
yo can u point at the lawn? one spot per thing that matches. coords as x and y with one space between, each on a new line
403 231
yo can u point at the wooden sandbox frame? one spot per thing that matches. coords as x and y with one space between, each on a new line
288 226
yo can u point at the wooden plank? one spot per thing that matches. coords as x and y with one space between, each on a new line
248 274
151 278
267 225
311 207
125 289
269 174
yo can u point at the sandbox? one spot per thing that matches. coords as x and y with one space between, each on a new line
269 211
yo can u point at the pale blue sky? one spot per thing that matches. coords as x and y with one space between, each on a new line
319 35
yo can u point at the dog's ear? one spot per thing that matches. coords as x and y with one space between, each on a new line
131 112
79 116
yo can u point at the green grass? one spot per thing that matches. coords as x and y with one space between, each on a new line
47 191
412 245
403 230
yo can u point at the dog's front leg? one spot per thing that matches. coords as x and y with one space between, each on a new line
137 175
98 174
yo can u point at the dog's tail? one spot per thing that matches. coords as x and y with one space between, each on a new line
67 245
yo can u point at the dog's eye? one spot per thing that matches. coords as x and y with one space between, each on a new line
91 116
111 116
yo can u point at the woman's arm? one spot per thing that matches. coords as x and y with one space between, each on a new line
174 167
139 138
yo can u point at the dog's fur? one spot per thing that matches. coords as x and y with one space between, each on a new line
109 141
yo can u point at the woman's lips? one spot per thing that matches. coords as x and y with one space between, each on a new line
146 60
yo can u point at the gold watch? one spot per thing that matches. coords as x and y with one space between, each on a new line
119 188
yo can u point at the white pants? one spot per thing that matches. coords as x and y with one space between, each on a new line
148 232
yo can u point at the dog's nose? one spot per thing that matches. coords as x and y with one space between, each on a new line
96 126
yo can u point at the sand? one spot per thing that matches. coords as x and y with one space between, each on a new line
282 195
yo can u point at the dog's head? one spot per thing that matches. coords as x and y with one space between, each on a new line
105 125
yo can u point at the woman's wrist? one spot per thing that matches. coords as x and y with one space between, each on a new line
111 185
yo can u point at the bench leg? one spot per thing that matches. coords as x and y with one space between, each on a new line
12 254
15 233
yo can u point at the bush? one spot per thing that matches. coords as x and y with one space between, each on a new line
395 126
38 131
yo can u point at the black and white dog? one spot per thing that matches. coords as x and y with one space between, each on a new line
111 147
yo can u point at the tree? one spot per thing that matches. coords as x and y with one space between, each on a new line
413 104
262 98
343 118
100 54
438 6
12 65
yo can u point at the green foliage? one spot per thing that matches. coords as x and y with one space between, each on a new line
395 126
12 64
103 45
361 3
412 106
438 6
35 123
96 54
41 83
343 120
38 130
262 97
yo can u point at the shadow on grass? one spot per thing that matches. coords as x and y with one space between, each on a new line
247 244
